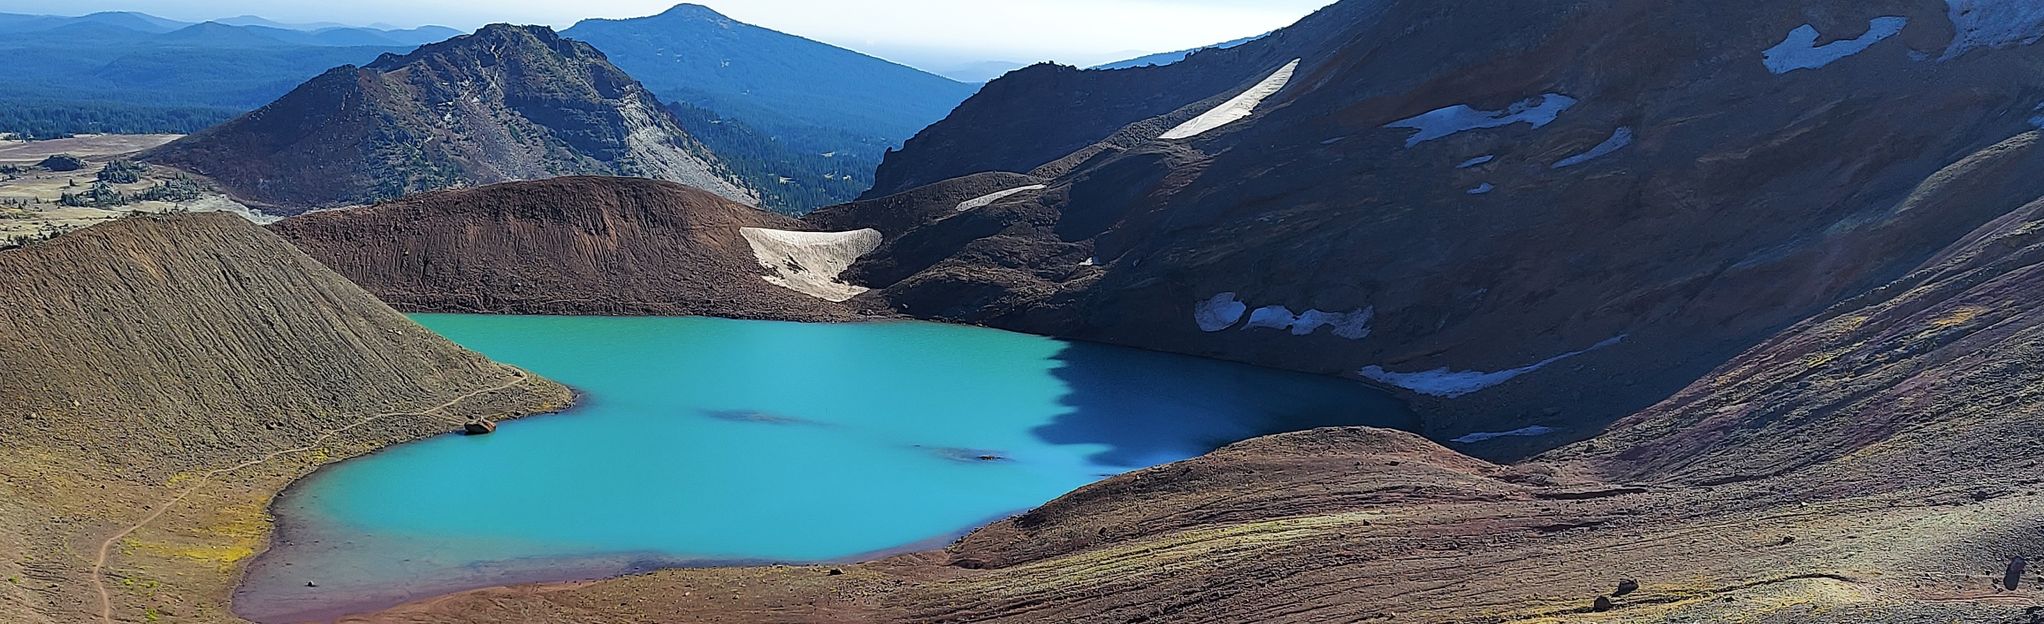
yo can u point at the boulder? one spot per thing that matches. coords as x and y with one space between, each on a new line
479 427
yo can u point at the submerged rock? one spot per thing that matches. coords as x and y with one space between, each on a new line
755 416
969 455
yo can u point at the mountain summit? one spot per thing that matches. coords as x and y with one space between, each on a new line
769 79
804 122
506 103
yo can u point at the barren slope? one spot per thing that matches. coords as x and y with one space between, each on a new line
576 245
1520 214
144 358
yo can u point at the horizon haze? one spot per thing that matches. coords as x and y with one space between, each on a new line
936 36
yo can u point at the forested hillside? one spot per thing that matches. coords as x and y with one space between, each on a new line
134 73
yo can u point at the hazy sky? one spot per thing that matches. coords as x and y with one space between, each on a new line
1081 31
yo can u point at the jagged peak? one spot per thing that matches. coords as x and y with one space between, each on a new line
494 34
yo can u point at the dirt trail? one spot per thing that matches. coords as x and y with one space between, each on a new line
106 607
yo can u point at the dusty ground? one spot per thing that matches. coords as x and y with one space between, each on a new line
29 199
84 146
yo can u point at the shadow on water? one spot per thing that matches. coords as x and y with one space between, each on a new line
1149 408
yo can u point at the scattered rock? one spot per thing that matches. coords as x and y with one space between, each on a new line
1626 586
2013 578
1601 604
311 584
479 427
836 572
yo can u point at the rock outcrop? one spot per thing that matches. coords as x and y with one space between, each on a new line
506 103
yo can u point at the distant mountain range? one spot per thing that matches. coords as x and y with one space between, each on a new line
132 72
1167 58
326 33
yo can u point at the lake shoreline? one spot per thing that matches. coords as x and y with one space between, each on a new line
278 601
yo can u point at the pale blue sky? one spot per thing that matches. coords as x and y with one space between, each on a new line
1078 31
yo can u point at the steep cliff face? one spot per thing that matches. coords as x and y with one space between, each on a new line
506 103
1530 215
164 376
574 245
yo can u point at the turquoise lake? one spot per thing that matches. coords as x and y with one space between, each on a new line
712 442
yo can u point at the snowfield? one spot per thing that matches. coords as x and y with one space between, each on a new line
810 262
1439 123
1528 432
1800 49
1351 325
989 199
1219 312
1446 383
1994 24
1236 109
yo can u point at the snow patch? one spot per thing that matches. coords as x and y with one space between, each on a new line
1442 382
1219 312
989 199
810 262
1482 189
1351 325
1538 111
1236 109
1800 49
1619 139
1529 432
1993 24
1480 160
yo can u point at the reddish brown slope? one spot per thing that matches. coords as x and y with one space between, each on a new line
576 245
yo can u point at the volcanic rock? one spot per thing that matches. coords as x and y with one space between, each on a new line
1661 196
506 103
